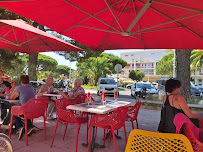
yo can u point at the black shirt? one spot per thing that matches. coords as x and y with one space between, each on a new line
3 86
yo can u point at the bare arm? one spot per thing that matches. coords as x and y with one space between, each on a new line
40 93
14 95
183 105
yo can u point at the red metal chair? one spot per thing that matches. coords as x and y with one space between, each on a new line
34 108
196 144
66 116
133 113
109 122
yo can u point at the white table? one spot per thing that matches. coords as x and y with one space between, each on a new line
10 101
97 107
58 96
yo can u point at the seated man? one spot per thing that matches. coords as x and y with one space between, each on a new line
48 88
25 93
75 91
5 82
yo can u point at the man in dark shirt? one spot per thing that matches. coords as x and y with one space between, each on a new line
5 82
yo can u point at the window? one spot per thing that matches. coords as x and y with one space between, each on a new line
126 55
132 54
152 53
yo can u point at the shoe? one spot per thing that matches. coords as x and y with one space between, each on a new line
30 131
4 127
20 133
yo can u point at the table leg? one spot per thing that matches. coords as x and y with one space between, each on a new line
93 143
108 135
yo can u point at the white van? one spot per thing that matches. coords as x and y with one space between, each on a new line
107 85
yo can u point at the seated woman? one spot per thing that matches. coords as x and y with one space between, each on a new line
75 91
25 92
48 88
173 104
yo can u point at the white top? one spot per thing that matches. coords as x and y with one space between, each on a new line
98 108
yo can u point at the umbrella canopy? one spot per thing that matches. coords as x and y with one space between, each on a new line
120 24
17 35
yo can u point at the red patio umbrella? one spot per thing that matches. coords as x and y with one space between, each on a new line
17 35
120 24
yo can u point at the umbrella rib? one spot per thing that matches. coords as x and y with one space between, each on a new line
30 39
91 15
171 21
138 24
26 43
159 29
44 42
113 24
192 9
99 29
15 34
9 41
139 15
114 15
7 32
175 21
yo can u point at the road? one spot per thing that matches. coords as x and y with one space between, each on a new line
124 95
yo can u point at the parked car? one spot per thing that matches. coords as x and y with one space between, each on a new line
37 84
107 85
129 86
136 88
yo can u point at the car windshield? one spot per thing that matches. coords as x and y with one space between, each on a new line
107 81
141 85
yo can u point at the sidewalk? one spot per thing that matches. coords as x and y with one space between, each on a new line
147 120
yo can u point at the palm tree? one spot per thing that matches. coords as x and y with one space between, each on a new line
196 59
96 68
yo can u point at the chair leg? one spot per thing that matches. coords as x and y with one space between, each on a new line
11 125
132 125
65 131
104 137
114 140
110 132
54 132
125 133
96 133
26 131
45 137
90 138
78 129
87 131
137 123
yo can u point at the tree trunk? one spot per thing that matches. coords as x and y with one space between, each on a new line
33 58
32 66
183 70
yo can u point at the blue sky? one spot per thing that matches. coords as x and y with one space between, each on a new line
62 61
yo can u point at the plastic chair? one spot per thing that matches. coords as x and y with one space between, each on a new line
34 108
140 140
109 122
196 144
133 113
180 119
66 116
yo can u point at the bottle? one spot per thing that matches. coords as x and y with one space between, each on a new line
7 97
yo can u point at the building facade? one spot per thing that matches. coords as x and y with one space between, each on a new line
145 61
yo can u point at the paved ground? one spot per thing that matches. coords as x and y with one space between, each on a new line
147 119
